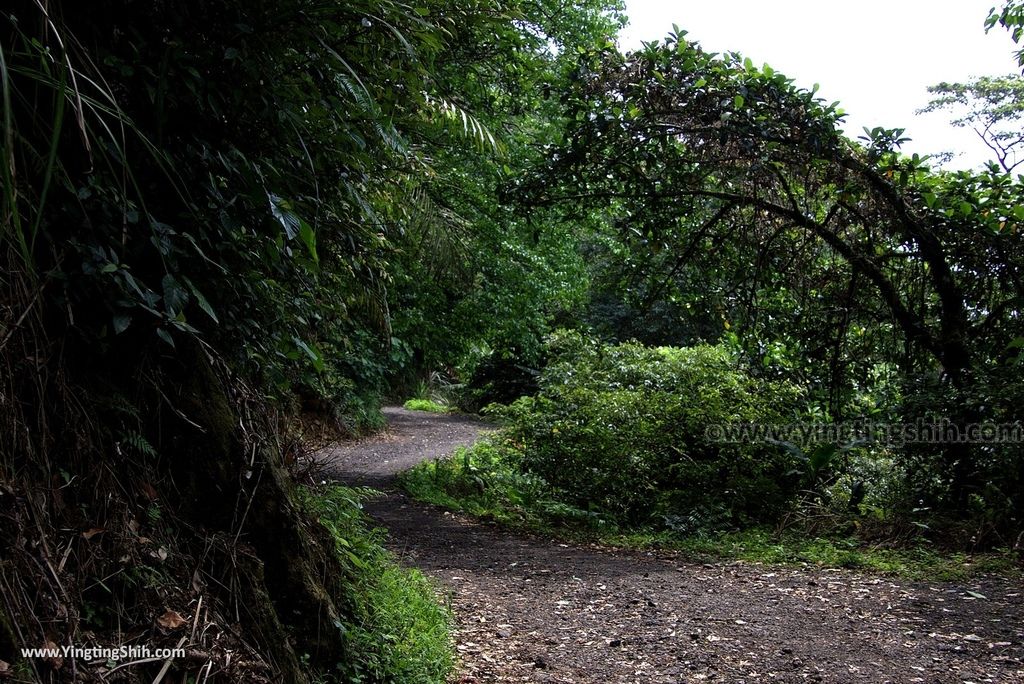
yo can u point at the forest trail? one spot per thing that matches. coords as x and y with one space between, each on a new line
530 609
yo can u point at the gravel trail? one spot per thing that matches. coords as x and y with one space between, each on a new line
531 609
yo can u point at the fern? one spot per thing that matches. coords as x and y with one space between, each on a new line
136 442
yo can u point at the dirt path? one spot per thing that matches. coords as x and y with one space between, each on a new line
411 437
535 610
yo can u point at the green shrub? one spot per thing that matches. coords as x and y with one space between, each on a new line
621 431
400 634
486 480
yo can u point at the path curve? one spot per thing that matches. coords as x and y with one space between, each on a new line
535 610
411 437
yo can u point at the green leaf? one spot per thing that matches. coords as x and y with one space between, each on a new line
738 102
165 336
308 238
282 211
820 458
355 560
175 296
312 352
201 300
121 322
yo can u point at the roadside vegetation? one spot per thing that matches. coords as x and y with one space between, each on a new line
480 483
399 630
616 448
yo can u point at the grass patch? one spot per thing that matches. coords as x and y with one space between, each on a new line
484 482
428 405
760 545
399 633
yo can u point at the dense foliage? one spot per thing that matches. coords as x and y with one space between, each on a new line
623 431
217 215
724 205
854 270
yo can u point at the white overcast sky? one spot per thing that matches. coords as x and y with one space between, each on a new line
876 57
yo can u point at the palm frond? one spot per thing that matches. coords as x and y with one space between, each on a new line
457 120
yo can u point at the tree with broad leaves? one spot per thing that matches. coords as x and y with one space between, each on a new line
673 135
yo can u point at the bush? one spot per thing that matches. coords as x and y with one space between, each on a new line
486 481
621 430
